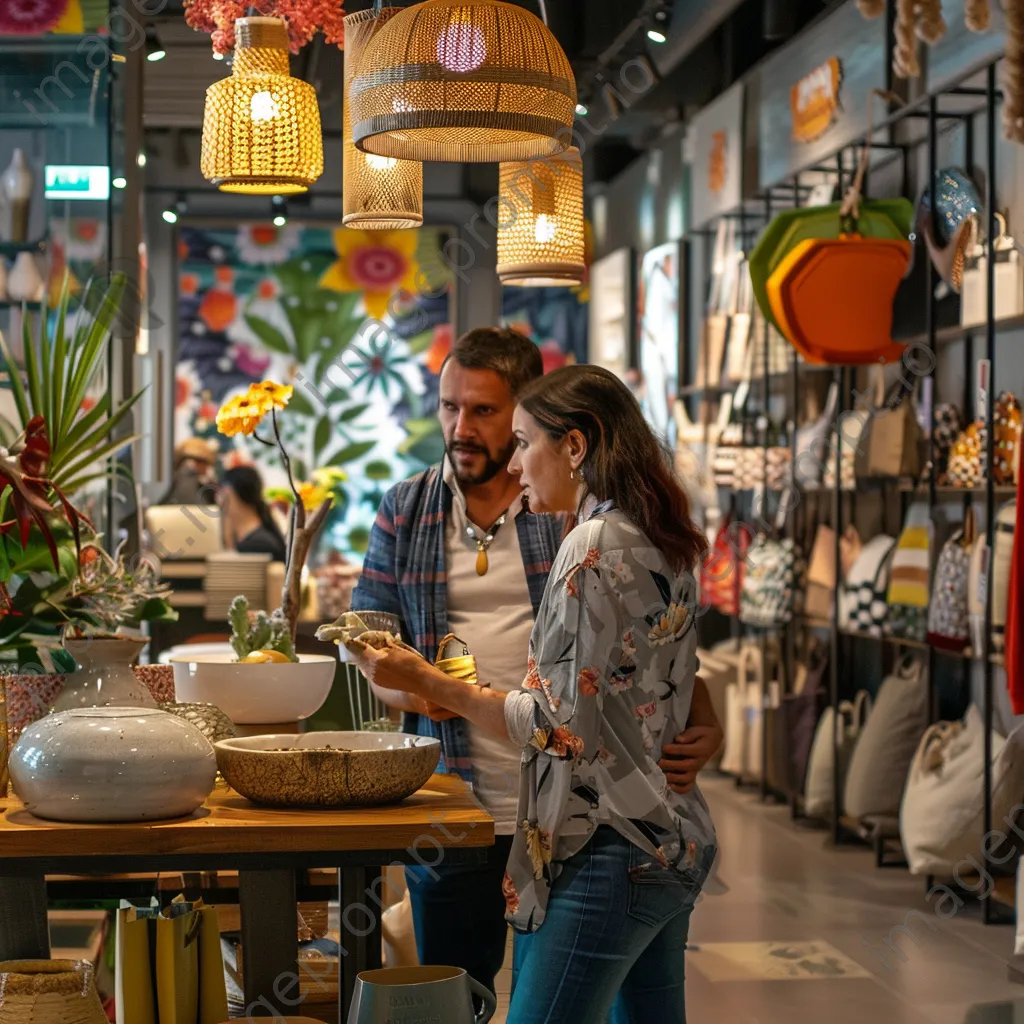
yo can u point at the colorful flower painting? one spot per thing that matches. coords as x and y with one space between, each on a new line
305 305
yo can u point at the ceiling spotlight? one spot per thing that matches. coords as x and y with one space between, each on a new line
170 216
172 213
280 211
141 161
218 56
656 35
581 109
120 183
154 51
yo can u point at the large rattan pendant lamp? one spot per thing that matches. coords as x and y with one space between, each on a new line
463 80
379 193
261 127
540 226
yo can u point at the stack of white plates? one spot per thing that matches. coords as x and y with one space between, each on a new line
229 574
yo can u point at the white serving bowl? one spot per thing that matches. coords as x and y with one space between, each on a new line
328 769
211 648
266 694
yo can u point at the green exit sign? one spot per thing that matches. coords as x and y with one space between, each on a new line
77 182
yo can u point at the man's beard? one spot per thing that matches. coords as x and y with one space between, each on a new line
492 467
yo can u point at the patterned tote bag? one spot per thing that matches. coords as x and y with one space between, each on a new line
909 576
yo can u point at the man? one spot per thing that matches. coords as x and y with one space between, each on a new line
454 550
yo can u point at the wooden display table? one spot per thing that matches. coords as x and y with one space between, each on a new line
440 823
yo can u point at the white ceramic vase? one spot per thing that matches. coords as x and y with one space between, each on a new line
105 675
24 282
16 182
112 764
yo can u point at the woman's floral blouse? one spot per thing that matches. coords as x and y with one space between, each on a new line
611 672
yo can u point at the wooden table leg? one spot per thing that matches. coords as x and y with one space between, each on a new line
360 895
269 942
24 931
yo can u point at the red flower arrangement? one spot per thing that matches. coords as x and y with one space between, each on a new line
304 19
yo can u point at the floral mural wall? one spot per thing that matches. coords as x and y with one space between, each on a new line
293 304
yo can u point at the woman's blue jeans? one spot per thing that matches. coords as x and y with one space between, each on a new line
614 936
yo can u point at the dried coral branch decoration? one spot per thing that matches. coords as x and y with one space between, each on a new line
977 15
304 18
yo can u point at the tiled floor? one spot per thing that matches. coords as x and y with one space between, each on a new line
828 912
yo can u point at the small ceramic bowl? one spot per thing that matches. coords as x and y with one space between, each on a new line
328 769
269 694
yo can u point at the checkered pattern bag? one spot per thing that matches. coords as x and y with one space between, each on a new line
863 607
772 582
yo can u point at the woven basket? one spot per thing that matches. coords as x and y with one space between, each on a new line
379 193
49 992
472 80
261 127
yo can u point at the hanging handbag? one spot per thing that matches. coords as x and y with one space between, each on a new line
810 442
821 574
965 467
893 443
862 597
693 441
168 965
789 729
848 433
715 328
947 423
942 813
772 580
885 749
738 701
948 617
909 576
1002 560
741 339
1007 435
723 567
819 789
1009 281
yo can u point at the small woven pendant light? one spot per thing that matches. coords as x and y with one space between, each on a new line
379 193
463 80
540 221
261 127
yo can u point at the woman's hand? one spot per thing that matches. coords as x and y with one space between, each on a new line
392 668
692 749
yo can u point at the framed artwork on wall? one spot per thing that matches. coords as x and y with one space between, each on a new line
612 283
660 318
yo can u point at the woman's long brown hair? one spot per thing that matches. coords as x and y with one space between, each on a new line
625 461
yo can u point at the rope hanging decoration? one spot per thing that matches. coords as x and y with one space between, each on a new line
379 193
467 81
261 127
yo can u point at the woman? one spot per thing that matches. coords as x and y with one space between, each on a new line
249 528
608 861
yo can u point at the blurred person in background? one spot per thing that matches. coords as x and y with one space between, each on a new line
195 462
249 526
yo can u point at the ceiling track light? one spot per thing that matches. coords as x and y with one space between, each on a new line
172 214
154 51
279 210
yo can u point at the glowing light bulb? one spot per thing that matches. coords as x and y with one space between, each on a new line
380 163
544 228
263 107
462 47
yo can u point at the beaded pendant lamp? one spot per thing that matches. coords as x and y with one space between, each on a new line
261 127
468 81
540 227
379 193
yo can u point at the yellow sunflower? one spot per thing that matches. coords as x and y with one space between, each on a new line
376 263
240 415
270 395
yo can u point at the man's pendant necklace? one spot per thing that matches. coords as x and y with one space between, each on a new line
483 543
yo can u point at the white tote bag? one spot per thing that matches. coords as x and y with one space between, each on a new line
942 818
819 788
742 710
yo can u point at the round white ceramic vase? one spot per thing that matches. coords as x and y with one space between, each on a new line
112 764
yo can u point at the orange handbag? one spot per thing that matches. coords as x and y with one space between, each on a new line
833 298
723 566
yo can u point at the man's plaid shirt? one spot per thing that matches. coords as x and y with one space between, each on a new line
404 573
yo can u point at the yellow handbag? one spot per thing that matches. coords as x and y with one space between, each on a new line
168 966
460 666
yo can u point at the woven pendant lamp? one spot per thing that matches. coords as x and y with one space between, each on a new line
463 80
540 227
379 193
261 127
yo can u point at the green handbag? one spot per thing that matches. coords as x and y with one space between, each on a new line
878 218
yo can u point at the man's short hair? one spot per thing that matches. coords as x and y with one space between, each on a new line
507 352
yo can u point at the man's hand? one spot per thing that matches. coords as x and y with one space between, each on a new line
692 749
433 711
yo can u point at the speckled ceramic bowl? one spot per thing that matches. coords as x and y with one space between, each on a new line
328 769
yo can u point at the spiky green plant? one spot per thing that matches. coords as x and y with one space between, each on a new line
258 631
60 367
